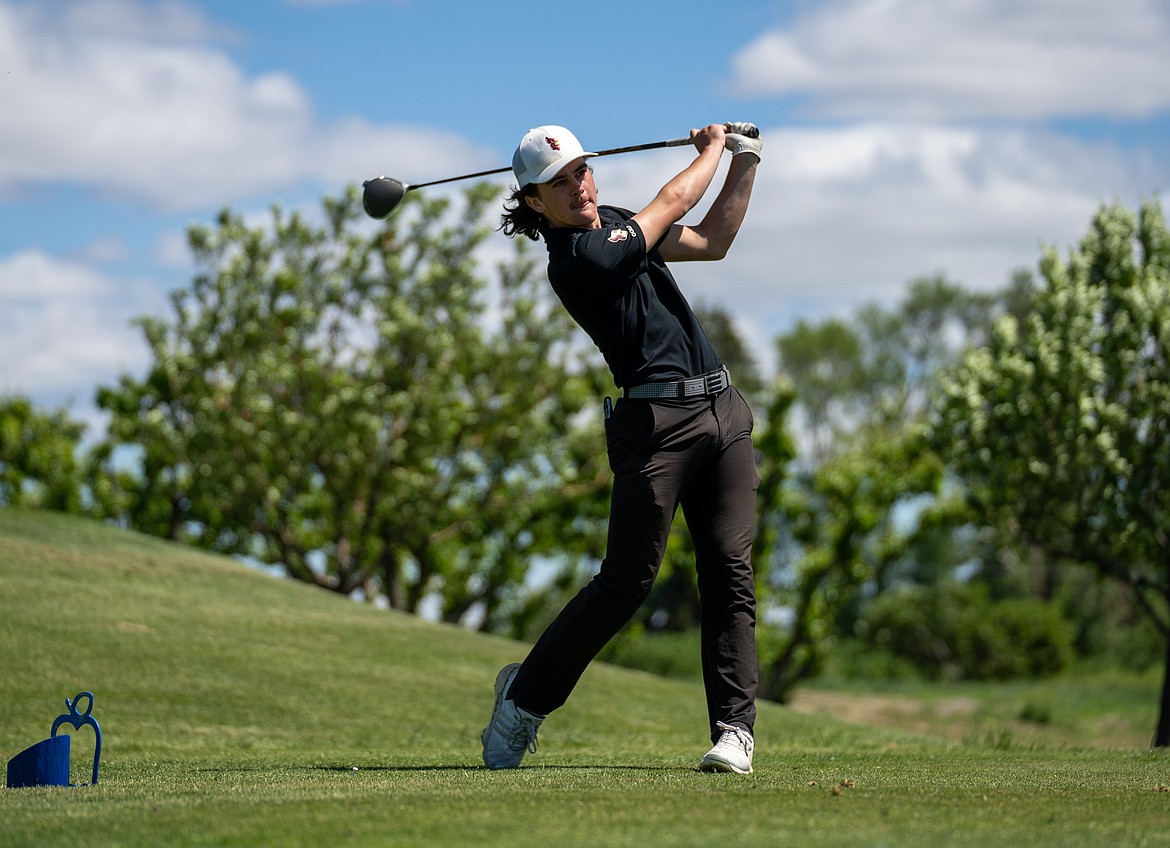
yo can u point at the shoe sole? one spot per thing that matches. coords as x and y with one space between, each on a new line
502 680
721 767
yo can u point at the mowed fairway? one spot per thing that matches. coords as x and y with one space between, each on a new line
240 709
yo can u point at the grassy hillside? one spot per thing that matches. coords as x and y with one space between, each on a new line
240 709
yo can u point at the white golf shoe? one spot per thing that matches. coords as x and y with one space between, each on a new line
511 733
732 753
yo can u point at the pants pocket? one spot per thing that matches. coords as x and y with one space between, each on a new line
628 432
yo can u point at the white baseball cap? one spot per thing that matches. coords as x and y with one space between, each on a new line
543 152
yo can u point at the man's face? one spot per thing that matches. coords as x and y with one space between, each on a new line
569 199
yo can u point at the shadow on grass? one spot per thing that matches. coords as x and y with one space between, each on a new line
453 768
465 768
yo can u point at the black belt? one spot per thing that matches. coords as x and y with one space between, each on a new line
706 384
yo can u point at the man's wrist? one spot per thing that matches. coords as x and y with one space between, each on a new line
742 147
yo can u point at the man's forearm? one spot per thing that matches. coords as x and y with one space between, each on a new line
723 220
680 195
687 187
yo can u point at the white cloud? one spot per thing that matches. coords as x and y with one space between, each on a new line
844 216
140 101
103 250
134 100
964 59
64 327
162 21
172 250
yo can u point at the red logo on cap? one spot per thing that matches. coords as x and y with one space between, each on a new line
552 142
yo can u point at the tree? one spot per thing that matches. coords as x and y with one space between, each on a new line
824 364
38 457
1060 425
719 326
957 631
878 365
904 348
343 404
867 510
845 523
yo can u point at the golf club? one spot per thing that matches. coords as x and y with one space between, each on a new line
382 195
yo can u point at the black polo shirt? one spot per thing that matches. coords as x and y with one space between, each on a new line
626 299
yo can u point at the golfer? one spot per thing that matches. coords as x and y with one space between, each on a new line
680 435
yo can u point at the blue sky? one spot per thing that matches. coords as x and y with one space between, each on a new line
902 137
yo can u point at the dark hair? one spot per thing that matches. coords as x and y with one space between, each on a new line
519 217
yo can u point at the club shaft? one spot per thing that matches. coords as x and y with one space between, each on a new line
654 145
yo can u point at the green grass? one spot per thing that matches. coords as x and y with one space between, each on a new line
239 709
1104 709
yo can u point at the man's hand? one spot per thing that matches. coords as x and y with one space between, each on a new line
737 144
742 128
711 238
714 135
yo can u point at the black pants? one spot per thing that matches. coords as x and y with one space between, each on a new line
696 453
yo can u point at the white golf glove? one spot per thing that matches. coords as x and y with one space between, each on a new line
737 144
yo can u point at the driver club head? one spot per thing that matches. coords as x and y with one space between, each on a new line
382 195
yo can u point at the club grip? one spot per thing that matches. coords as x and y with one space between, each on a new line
742 128
736 127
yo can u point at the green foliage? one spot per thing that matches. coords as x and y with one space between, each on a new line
674 653
868 509
878 366
955 631
847 527
343 403
861 663
1111 630
823 362
1036 712
38 457
1059 424
720 329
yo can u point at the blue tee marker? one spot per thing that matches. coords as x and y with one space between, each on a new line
47 762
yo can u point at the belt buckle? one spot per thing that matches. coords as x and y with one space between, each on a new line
714 383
